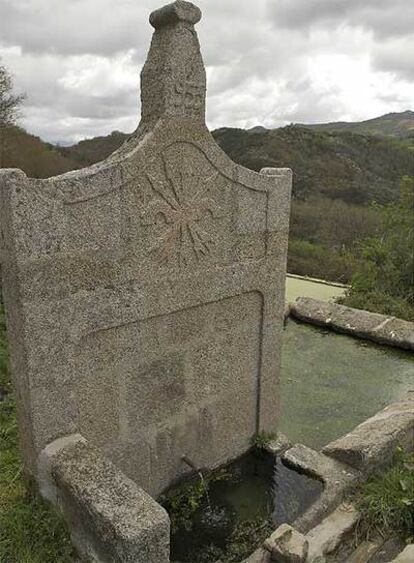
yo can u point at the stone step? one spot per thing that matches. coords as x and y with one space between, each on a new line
365 551
331 532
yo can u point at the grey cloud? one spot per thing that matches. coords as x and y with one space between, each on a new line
76 27
396 57
384 18
54 126
79 60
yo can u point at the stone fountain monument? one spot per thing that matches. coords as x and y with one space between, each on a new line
144 299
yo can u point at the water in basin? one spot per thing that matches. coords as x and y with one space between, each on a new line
245 503
331 382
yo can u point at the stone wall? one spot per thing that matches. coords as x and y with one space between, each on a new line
145 295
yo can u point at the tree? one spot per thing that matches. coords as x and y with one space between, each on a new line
9 112
9 101
385 281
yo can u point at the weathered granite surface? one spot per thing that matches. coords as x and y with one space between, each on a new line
406 556
372 444
111 519
287 545
145 294
279 445
326 537
371 326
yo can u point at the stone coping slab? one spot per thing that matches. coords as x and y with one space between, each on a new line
363 324
338 480
371 445
111 519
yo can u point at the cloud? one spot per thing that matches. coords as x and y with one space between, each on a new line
269 63
75 27
396 57
384 18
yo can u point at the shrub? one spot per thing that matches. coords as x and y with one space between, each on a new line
386 502
384 279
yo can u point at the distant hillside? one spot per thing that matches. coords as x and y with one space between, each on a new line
94 150
400 125
338 165
354 168
19 149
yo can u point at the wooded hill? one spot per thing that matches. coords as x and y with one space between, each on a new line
354 168
399 125
19 149
338 164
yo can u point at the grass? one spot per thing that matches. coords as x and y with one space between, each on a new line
261 440
386 501
31 531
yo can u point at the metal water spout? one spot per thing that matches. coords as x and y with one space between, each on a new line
188 462
193 466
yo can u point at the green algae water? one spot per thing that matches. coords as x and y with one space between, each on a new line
297 286
240 507
330 382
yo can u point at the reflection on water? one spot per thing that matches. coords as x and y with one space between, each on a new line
331 382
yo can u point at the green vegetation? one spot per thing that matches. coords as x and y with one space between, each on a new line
5 384
352 168
183 504
386 501
90 151
184 501
9 101
384 279
19 149
30 529
263 439
324 234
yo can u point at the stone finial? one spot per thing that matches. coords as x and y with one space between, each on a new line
173 80
174 13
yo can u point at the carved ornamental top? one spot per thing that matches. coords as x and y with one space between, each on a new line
173 80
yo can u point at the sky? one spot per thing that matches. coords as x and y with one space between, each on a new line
269 62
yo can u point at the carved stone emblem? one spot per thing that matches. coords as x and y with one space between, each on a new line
182 204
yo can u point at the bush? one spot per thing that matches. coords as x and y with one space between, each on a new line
378 302
310 259
386 502
384 280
